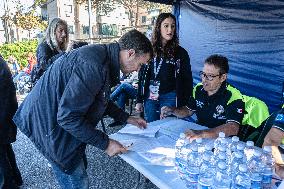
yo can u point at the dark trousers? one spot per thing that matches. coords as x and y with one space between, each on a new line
10 176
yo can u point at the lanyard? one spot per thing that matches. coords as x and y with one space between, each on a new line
157 69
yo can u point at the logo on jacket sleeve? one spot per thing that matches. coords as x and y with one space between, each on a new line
240 110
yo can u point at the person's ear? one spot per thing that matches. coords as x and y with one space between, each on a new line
224 77
131 54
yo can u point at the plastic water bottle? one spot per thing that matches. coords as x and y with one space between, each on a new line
249 149
207 172
268 164
240 148
200 145
221 180
208 149
217 142
236 161
221 149
255 167
242 178
232 147
180 162
193 165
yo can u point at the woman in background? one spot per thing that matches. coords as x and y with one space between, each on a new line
167 81
53 46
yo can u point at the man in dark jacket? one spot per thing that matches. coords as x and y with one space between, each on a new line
10 176
61 112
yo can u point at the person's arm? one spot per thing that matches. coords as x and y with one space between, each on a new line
180 112
79 95
230 129
234 115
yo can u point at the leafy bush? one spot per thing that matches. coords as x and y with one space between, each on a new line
19 50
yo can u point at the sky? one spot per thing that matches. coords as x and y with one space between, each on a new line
25 3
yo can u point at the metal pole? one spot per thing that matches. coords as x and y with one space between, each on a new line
90 23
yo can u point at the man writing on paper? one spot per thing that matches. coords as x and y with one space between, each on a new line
210 100
61 112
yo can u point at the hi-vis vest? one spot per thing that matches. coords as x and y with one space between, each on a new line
256 111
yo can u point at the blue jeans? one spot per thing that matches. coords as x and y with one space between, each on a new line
122 93
153 107
78 179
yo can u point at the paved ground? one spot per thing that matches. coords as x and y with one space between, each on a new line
104 172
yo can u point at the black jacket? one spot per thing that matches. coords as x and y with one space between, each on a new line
45 57
184 83
61 112
8 105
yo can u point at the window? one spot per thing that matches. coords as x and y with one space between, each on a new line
85 29
69 9
71 29
143 19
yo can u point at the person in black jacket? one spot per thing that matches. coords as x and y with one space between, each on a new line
54 44
167 81
61 112
10 176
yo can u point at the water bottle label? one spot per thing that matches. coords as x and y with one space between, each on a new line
266 179
255 184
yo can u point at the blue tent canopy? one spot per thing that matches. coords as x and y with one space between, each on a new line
249 33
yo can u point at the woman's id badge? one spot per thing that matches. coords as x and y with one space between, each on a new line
154 90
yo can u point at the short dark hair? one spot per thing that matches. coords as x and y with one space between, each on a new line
137 41
218 61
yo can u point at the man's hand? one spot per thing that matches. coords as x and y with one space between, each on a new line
166 111
114 148
138 121
139 107
194 134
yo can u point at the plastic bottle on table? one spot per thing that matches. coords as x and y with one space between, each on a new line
180 162
248 151
193 166
217 142
268 165
207 172
221 180
236 161
255 168
242 178
232 147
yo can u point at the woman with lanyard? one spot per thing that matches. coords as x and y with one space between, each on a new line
167 80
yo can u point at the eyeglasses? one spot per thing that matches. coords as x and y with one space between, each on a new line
208 77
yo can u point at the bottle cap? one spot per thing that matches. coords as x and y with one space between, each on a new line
181 135
208 146
222 156
250 143
222 165
238 155
235 139
256 153
221 135
194 148
267 149
243 167
206 157
199 140
240 146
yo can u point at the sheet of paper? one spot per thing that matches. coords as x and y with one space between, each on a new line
173 128
150 131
